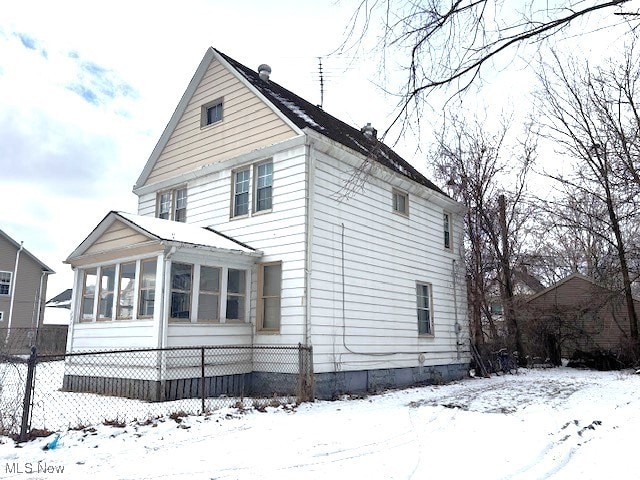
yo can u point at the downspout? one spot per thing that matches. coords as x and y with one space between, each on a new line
309 179
456 326
14 281
37 314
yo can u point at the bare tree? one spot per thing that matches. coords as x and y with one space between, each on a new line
489 179
441 43
593 121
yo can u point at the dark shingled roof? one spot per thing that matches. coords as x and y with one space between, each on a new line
304 114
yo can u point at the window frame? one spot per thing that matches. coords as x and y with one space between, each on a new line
242 294
106 292
260 311
204 112
396 193
257 188
92 315
234 191
119 306
142 288
429 331
447 225
1 316
212 293
174 213
188 291
8 284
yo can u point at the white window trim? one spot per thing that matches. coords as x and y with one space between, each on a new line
173 195
430 333
252 190
399 192
10 282
449 230
1 316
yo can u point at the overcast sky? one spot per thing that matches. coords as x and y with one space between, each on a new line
86 90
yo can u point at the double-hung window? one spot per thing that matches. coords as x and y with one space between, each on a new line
252 189
264 183
424 310
5 283
147 293
241 192
88 294
269 288
447 230
172 205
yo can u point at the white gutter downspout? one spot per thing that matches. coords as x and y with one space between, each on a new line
310 180
13 292
37 314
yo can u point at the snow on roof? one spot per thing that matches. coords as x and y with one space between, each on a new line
179 232
185 233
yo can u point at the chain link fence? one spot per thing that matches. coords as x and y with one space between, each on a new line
75 390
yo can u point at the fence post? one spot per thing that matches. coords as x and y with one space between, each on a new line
202 393
28 390
305 373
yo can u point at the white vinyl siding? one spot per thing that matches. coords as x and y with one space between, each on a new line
366 260
248 125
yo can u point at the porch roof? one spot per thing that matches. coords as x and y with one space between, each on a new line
157 230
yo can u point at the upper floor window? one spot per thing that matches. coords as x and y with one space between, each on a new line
252 187
5 283
264 183
447 230
172 205
241 192
211 113
400 202
425 321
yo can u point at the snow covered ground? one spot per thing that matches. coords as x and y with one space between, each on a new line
558 423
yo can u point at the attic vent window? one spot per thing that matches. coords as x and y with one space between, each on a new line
369 131
264 71
211 113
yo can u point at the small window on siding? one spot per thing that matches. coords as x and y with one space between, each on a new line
400 202
447 230
424 310
5 283
211 113
264 183
241 192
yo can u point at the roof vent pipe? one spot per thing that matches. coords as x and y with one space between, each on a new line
264 71
369 131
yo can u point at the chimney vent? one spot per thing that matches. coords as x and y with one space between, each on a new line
369 131
264 71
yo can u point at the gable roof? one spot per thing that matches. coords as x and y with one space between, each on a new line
576 276
27 252
168 231
62 300
297 112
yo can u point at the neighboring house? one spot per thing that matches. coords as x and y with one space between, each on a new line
244 236
23 288
577 314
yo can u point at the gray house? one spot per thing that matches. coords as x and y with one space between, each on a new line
23 287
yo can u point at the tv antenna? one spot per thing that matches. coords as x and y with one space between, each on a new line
321 74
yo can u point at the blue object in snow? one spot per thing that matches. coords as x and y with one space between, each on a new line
52 444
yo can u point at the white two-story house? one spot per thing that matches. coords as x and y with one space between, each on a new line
246 235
